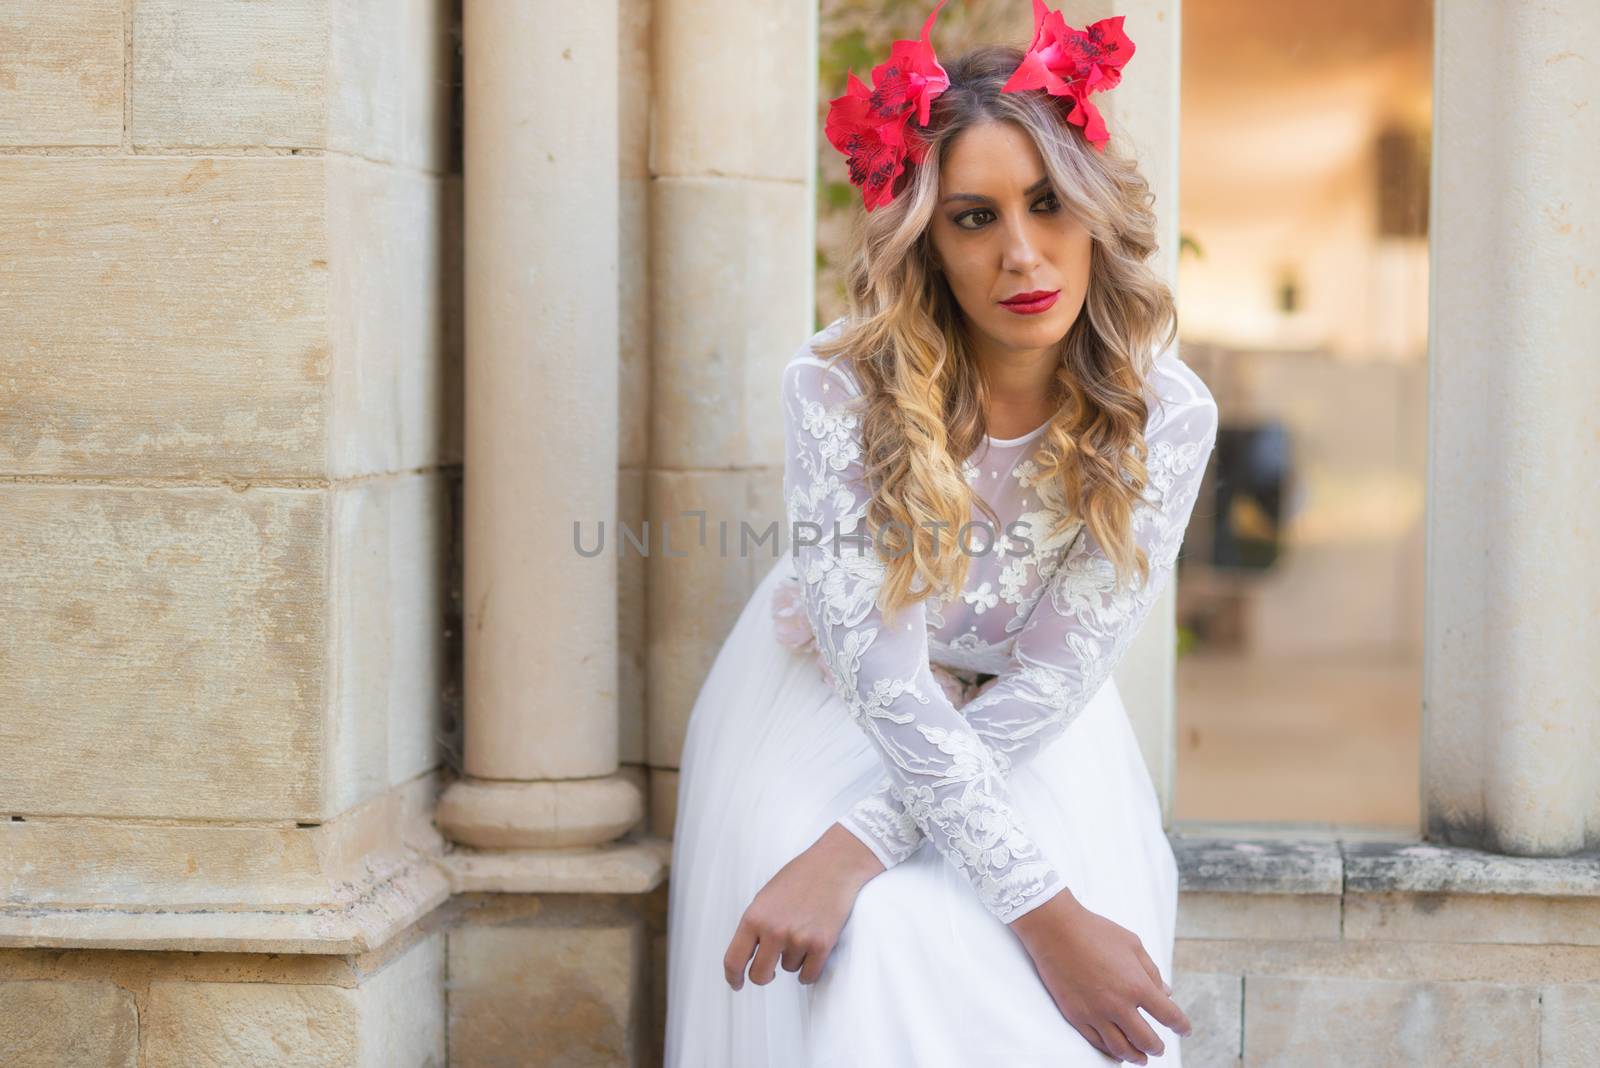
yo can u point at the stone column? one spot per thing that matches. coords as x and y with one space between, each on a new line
1511 753
733 159
541 439
1143 115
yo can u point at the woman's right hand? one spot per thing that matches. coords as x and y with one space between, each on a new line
1099 975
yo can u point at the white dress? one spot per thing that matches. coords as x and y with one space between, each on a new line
981 809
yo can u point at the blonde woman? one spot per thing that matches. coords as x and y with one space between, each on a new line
914 826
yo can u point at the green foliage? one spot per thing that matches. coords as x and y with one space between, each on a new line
1188 640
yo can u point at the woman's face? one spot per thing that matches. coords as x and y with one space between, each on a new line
999 232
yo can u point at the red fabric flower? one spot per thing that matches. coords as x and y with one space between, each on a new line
1074 63
869 124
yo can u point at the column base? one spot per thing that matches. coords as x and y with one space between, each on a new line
543 814
633 865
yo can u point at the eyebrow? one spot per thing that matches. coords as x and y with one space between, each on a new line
1036 187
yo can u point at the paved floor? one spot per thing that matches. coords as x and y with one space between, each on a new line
1317 739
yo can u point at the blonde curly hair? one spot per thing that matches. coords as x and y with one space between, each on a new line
923 394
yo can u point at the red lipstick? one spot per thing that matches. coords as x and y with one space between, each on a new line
1031 303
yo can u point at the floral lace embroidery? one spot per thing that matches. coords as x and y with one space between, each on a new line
945 769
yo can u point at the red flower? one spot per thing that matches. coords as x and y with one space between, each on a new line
869 124
1074 63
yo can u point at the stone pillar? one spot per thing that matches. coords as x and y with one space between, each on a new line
733 159
224 477
1511 754
1143 114
541 444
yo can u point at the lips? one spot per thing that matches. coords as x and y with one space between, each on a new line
1031 303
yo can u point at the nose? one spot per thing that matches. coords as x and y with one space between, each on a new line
1020 254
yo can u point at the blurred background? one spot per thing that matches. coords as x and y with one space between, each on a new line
1303 303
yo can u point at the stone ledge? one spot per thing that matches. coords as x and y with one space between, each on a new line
366 924
1423 867
632 865
342 887
1263 860
1260 883
1257 865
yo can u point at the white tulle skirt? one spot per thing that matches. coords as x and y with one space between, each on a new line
923 976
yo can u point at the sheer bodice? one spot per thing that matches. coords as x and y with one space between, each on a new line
1042 612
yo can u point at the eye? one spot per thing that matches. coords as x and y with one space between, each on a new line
965 217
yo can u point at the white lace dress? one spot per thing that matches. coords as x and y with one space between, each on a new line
817 711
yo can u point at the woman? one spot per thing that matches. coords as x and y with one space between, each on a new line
909 777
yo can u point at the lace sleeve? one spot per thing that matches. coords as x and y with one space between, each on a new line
1079 629
942 776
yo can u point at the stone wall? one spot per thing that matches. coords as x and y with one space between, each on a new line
229 445
231 449
1340 949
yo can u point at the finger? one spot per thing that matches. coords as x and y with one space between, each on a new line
1091 1036
1150 967
1118 1043
766 962
812 970
1142 1035
794 955
1164 1009
738 955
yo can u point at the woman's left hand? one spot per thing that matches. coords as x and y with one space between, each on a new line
796 918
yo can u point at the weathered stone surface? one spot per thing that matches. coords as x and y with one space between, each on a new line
454 253
345 886
403 1010
635 25
164 620
394 1019
61 73
1419 867
1257 865
1439 917
658 993
697 591
702 93
1286 917
663 802
151 630
632 623
1214 1003
386 326
251 1023
547 993
635 82
541 814
634 864
389 80
1569 1025
1511 677
721 247
51 1023
163 317
1377 1023
367 77
230 72
290 317
390 554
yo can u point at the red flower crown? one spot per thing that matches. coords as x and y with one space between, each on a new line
872 125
